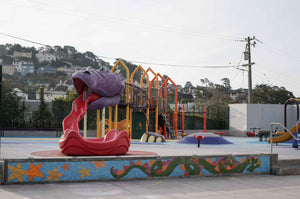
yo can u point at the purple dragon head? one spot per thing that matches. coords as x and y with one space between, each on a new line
106 84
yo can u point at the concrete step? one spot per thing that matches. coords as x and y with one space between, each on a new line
288 162
290 170
287 167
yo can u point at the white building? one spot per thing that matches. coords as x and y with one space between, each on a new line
19 63
242 117
44 56
23 67
50 95
20 93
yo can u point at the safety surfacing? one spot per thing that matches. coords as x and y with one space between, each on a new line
39 160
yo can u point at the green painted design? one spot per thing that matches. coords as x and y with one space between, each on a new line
231 165
143 169
156 169
193 166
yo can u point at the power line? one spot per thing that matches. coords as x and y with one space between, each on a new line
134 61
30 41
172 65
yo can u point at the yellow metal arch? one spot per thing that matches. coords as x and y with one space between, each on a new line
149 95
131 82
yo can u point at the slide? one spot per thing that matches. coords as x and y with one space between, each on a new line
72 143
79 107
286 136
163 120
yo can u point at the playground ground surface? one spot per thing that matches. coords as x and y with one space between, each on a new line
46 147
29 160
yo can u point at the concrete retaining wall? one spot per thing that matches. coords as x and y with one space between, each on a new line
78 169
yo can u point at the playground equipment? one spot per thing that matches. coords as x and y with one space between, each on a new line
199 138
285 135
142 106
103 88
94 93
152 137
163 120
210 138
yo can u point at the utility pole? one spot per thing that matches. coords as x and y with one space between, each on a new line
0 95
249 71
247 56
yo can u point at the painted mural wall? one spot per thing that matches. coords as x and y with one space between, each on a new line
81 170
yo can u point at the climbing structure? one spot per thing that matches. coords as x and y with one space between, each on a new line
142 103
164 116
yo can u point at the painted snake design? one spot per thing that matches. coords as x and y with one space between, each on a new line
191 166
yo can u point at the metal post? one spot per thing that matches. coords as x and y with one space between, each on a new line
271 138
103 123
249 72
0 107
0 92
85 125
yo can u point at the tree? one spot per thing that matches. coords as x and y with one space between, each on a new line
226 84
188 84
10 106
3 50
266 94
207 83
217 108
42 114
202 92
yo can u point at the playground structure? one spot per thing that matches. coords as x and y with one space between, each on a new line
93 94
103 88
145 105
287 134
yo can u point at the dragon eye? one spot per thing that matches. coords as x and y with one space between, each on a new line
103 68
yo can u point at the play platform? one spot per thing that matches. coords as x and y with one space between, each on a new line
39 160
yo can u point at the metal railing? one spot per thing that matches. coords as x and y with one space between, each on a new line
286 129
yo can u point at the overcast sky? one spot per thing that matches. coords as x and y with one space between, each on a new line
185 33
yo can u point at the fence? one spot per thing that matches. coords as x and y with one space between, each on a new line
194 121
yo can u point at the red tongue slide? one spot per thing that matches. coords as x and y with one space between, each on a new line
79 108
72 143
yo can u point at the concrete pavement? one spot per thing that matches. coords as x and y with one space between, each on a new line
248 187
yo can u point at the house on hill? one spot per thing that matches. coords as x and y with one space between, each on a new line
24 67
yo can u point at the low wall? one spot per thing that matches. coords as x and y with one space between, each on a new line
30 133
79 169
39 133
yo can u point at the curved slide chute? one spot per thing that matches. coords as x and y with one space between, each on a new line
286 136
72 143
